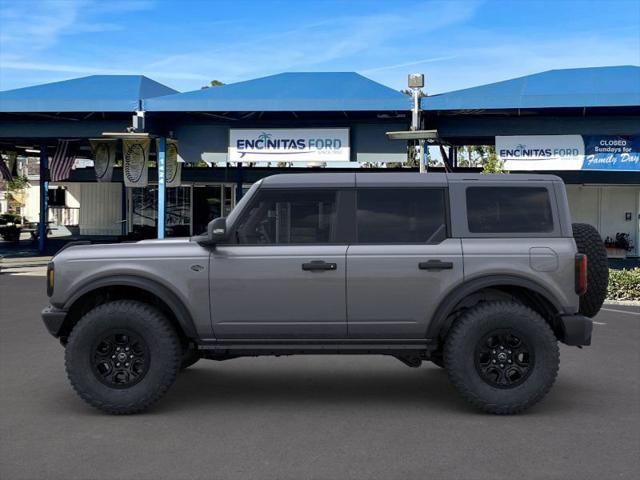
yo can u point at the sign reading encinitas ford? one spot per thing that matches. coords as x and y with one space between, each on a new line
289 145
569 152
541 152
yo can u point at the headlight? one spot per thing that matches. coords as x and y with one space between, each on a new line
50 278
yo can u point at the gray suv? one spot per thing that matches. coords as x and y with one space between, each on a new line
479 274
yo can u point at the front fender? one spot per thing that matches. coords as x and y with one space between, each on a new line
176 305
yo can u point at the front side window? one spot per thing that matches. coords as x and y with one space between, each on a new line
509 210
280 217
401 215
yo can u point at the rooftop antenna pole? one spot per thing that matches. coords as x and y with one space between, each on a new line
416 83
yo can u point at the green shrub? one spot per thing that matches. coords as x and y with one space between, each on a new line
624 284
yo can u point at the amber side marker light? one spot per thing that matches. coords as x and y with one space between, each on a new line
50 278
581 274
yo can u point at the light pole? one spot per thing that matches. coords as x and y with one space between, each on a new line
416 83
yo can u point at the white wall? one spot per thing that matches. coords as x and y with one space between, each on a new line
605 207
31 209
100 208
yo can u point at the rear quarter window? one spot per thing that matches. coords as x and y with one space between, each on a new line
509 210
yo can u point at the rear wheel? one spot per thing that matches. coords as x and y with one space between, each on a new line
122 356
502 357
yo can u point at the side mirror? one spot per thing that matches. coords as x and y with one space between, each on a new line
217 230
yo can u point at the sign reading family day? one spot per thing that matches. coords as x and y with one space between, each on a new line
611 152
569 152
289 145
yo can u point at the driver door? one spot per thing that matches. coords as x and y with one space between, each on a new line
285 275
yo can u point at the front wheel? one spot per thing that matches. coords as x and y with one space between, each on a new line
122 356
502 357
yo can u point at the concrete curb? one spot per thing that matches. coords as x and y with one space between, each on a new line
630 303
28 262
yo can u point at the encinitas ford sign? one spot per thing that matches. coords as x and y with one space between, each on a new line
569 152
541 152
289 145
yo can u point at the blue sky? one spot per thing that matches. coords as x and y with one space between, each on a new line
184 44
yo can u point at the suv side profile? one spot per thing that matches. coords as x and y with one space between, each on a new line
480 274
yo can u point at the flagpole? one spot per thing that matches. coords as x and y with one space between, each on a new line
44 199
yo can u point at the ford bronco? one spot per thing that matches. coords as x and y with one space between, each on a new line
480 274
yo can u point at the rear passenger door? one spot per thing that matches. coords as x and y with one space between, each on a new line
401 262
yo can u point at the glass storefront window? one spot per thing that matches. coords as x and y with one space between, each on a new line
207 205
178 215
144 212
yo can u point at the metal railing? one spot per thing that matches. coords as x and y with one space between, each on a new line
64 215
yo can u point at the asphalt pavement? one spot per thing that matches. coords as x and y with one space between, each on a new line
315 417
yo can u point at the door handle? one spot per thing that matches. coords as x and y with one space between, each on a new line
435 265
319 265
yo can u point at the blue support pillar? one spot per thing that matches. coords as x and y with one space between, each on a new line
44 199
162 156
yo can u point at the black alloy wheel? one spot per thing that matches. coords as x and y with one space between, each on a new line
120 359
503 358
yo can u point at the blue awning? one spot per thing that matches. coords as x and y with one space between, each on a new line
577 87
288 92
96 93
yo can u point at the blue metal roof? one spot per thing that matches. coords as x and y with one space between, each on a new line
576 87
307 91
96 93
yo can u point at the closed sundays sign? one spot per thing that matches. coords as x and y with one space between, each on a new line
289 145
541 152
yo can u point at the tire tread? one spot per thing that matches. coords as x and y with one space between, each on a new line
164 328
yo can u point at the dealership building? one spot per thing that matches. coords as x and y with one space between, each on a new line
210 145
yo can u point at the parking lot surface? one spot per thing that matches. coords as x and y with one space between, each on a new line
315 417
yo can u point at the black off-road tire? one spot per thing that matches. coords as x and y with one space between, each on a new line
189 357
461 356
164 355
590 243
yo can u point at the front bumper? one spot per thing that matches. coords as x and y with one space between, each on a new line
576 330
53 319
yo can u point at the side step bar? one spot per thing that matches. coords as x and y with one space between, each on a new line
317 347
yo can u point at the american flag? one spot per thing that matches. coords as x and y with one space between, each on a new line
62 161
5 173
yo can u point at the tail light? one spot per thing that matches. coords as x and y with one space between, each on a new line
581 274
50 278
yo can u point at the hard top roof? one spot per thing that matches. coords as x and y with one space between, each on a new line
404 179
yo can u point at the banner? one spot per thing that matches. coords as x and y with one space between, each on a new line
135 153
8 167
611 152
289 145
104 157
540 152
173 165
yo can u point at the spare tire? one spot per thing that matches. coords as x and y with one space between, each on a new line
590 243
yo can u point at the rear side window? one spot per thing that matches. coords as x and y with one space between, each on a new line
278 217
407 215
509 210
